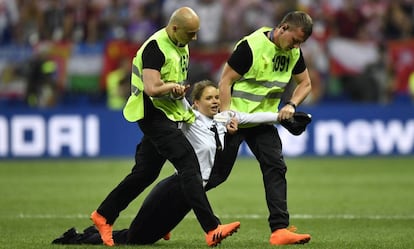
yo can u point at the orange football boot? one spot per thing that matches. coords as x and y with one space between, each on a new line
287 236
105 230
214 237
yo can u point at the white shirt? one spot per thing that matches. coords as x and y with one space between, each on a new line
202 139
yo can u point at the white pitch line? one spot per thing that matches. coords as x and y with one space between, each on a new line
241 216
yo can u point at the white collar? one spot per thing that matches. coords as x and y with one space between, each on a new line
204 119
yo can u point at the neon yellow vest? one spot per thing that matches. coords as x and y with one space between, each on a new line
260 89
174 70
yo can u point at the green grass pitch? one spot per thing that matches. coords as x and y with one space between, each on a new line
344 203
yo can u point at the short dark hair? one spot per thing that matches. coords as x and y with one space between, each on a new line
298 19
198 88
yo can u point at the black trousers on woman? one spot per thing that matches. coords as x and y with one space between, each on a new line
161 211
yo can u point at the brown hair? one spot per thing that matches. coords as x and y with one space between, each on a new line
199 87
298 19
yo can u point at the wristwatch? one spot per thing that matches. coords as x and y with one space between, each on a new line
291 104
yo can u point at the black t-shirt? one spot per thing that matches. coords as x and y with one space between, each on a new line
152 57
242 59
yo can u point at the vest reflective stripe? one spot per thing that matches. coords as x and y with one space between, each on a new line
256 98
260 89
135 71
135 91
266 84
174 70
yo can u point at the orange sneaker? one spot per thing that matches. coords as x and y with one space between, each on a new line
167 236
288 237
214 237
105 230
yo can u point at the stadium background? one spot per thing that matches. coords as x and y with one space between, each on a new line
56 55
63 146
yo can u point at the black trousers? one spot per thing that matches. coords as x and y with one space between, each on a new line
162 210
265 143
162 141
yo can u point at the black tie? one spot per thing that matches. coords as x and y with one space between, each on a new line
216 137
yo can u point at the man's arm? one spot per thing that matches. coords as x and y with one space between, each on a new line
228 77
153 85
302 90
237 65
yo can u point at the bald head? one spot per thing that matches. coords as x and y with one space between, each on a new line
184 16
183 26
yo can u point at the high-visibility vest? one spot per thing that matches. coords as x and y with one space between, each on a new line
174 70
261 88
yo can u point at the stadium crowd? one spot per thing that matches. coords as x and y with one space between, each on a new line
354 53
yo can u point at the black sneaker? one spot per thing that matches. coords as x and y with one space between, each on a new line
69 237
90 229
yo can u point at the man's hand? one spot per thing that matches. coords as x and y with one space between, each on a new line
286 113
232 126
178 91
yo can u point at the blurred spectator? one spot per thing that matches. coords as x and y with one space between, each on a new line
118 85
259 14
398 24
373 12
9 17
114 19
52 21
81 21
233 10
349 58
12 83
382 75
168 7
153 9
29 25
211 14
41 88
142 22
372 85
348 20
318 67
280 8
323 15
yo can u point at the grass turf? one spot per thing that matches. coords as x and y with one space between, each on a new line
342 202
